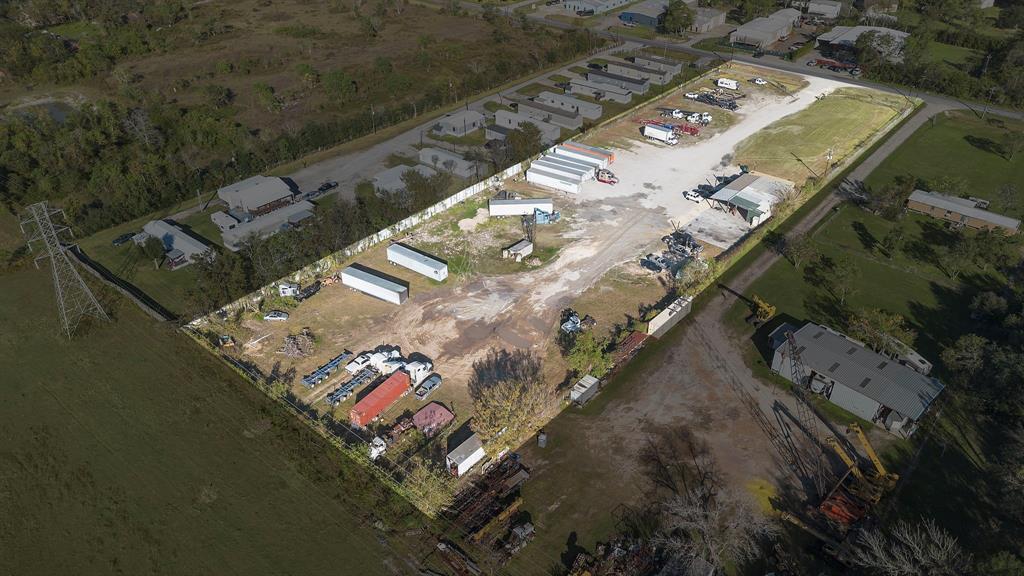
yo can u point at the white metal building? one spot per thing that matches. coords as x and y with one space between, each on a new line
419 262
551 114
588 110
549 133
518 251
463 457
372 283
179 246
584 390
519 206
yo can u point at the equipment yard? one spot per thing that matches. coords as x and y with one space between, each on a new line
591 258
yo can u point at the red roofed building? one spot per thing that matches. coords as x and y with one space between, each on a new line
432 418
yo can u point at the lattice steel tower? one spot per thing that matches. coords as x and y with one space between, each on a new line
74 299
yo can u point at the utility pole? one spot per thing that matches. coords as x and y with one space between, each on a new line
74 299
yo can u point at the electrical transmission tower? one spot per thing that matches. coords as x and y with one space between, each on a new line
807 418
74 299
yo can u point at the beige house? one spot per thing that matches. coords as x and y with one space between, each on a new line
960 211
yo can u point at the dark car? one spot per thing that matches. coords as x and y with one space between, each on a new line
329 185
123 238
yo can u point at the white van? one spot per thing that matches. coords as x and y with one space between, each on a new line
727 83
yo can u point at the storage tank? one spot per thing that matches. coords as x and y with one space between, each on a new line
368 282
419 262
380 399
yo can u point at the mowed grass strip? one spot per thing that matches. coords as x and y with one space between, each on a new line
796 147
130 450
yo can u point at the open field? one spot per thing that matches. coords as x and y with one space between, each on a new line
592 266
962 146
131 450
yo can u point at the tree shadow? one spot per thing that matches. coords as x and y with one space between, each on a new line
503 366
867 239
985 144
825 307
572 550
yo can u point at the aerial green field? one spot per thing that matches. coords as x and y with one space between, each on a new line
795 147
130 450
961 145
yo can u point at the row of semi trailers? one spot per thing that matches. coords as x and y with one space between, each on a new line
388 288
566 166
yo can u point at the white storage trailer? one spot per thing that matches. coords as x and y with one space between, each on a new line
660 133
520 206
374 285
466 455
583 156
584 390
586 170
728 83
406 257
552 180
576 174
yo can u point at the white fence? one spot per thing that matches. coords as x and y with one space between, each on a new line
328 263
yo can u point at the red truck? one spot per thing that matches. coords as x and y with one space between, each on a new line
380 399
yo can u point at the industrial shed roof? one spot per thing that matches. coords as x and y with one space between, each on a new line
617 77
174 238
267 224
855 366
962 206
254 192
467 449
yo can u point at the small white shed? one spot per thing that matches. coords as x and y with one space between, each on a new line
584 390
466 455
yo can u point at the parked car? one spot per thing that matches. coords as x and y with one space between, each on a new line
584 12
693 196
760 81
692 95
629 24
275 316
329 185
564 86
123 238
552 2
429 385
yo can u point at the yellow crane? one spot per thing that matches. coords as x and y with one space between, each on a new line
845 457
889 478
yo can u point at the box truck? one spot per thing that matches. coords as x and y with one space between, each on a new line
661 133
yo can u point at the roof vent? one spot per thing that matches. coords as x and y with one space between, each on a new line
883 364
851 351
865 382
818 334
833 367
801 349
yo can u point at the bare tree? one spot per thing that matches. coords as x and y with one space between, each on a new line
798 248
912 549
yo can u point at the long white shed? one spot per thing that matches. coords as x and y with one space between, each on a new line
520 206
584 390
552 180
419 262
367 282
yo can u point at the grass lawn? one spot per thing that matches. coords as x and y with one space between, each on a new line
533 89
492 106
950 54
474 138
559 79
140 453
635 31
795 147
961 145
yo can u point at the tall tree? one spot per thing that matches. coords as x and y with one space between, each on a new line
509 393
678 18
884 332
799 248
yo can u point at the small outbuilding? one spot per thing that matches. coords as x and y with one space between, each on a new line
463 457
432 418
706 20
584 390
518 251
751 196
459 123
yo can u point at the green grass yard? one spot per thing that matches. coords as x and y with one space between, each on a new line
950 54
131 450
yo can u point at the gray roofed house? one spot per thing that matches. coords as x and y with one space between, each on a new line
459 123
600 91
549 133
588 110
441 159
632 70
268 224
390 180
846 37
856 378
179 246
707 19
636 85
826 9
674 67
763 32
960 211
256 195
551 114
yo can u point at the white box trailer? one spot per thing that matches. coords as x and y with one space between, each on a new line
520 206
419 262
660 133
584 390
571 163
576 174
466 455
583 156
552 180
518 251
728 83
374 284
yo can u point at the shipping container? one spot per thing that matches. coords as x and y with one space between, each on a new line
520 206
419 262
592 149
380 399
372 283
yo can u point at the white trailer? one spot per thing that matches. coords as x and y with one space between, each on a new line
288 289
406 257
520 206
660 133
728 83
465 456
374 285
583 156
584 390
552 180
418 371
518 251
576 173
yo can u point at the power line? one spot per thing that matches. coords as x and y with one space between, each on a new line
74 299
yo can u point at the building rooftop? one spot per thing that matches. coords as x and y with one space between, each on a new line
254 192
520 246
268 224
601 87
848 35
962 206
702 15
859 368
767 27
752 192
637 67
552 110
787 14
463 451
462 116
659 59
175 238
390 180
652 8
613 76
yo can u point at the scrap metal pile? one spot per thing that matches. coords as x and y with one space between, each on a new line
621 556
487 509
299 345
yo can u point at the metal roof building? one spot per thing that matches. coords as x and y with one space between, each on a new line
600 91
646 13
658 63
827 9
707 19
459 123
636 85
442 159
390 180
751 196
432 418
763 32
552 114
959 211
466 455
268 224
549 133
178 244
856 378
588 110
845 37
257 195
633 70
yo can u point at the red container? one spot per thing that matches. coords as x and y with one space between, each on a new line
377 401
